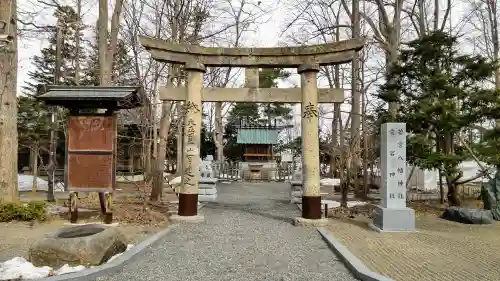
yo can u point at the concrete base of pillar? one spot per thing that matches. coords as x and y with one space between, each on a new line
187 219
299 221
393 220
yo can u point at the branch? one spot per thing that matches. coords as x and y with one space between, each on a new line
446 15
471 179
483 169
377 35
46 27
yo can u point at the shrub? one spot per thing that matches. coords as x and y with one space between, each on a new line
23 211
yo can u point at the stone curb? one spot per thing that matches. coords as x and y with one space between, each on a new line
117 264
355 266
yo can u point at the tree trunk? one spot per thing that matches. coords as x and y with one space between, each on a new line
344 167
102 38
496 44
113 43
34 173
8 105
356 98
451 179
166 110
440 170
218 140
55 112
391 58
77 41
335 141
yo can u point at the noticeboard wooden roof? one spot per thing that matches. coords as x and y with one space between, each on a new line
114 97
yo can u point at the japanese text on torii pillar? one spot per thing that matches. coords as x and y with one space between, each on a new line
393 166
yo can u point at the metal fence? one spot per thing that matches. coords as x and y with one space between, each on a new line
235 171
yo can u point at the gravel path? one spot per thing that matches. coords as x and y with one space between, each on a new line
247 236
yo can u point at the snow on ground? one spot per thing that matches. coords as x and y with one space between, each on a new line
25 183
176 180
134 178
19 268
329 181
335 204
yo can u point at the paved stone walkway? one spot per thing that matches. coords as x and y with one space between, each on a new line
440 250
247 236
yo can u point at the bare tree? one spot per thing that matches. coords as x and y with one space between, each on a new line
8 102
107 50
422 22
388 31
184 20
243 16
485 22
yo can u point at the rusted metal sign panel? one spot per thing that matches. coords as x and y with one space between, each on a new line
91 153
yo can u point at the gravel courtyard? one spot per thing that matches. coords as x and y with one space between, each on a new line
247 235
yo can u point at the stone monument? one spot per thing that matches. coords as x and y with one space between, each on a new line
296 184
207 191
393 215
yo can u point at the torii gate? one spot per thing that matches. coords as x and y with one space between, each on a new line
306 59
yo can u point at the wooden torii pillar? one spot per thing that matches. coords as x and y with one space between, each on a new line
306 59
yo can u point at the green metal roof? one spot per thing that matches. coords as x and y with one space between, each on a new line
257 136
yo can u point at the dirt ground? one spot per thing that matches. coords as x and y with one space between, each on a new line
135 219
440 250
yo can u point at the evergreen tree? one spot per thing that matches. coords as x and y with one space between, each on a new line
123 67
489 147
268 78
44 65
249 112
33 121
251 115
441 93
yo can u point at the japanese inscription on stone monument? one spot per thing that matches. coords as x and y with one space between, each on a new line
393 157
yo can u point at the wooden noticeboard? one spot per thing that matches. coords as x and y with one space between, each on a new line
91 153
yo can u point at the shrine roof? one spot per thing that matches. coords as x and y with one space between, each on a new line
115 97
257 136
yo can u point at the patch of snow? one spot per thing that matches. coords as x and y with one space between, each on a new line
329 181
129 178
69 269
25 183
19 268
335 204
176 180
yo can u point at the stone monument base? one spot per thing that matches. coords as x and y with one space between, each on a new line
393 220
300 221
